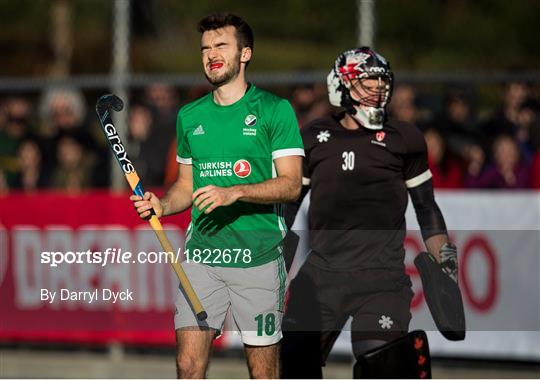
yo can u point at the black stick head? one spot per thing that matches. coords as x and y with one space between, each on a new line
109 101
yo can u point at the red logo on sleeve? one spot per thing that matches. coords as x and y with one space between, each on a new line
380 136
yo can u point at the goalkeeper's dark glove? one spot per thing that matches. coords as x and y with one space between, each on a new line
449 260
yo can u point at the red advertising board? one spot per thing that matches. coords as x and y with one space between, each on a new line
32 224
498 265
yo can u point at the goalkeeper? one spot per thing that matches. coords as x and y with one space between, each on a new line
359 168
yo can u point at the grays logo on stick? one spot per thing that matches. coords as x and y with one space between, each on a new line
118 148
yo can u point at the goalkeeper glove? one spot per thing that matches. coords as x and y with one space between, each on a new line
449 261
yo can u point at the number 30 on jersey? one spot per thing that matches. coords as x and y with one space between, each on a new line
348 161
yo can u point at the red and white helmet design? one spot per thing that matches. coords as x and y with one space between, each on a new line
358 64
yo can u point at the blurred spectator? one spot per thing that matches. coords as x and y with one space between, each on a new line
163 103
310 102
31 174
15 119
60 110
74 166
302 99
457 120
526 122
321 108
18 117
506 117
63 110
507 171
149 154
446 170
162 99
457 125
140 124
402 106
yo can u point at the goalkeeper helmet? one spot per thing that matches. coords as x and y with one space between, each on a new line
361 82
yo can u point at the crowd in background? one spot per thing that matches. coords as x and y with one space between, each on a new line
501 151
56 143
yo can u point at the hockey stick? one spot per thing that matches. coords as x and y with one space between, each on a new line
104 105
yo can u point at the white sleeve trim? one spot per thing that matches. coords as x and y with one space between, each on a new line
418 180
182 160
287 152
306 181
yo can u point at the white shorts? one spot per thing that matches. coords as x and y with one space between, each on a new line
254 295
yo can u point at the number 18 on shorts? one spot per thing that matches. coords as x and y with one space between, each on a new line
254 296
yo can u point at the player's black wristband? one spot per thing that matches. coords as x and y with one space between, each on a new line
428 213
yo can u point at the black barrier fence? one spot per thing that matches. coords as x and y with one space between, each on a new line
14 85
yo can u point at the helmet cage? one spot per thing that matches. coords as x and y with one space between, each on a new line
354 66
348 87
376 96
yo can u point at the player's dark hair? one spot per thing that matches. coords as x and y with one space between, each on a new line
244 34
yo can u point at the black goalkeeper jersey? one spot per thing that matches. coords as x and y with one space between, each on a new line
359 180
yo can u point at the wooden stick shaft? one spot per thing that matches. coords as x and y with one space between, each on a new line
184 282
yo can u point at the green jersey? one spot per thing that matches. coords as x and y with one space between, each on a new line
236 145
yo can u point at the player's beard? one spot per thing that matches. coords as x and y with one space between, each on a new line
232 72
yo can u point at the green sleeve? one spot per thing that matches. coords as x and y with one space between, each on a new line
285 132
183 151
